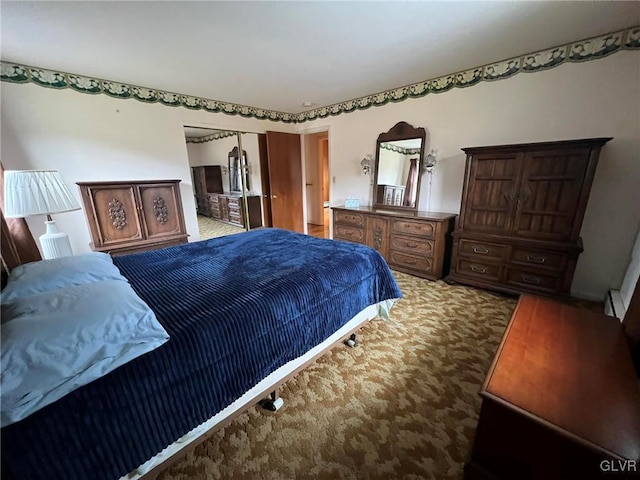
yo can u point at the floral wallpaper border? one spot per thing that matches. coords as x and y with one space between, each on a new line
580 51
212 137
402 150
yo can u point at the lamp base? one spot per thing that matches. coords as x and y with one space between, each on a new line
55 244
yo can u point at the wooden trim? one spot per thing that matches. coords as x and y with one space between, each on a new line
127 182
593 142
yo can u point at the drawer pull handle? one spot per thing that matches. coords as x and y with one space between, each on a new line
410 262
348 233
477 269
480 250
410 245
535 259
531 279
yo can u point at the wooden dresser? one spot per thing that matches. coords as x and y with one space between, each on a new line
133 216
521 214
229 208
411 242
561 400
206 179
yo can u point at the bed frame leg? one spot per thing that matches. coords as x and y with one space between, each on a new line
273 403
351 341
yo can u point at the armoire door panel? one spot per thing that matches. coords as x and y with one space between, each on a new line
491 196
159 207
116 214
285 179
549 193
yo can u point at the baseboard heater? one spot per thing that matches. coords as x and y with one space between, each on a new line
613 305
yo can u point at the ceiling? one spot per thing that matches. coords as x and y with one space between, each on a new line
278 55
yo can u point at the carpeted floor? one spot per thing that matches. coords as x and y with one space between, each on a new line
403 404
210 228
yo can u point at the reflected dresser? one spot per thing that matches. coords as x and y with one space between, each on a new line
413 242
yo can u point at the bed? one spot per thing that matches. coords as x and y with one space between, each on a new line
243 313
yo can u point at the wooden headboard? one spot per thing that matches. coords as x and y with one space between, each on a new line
17 243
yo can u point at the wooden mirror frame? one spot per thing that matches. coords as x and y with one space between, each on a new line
400 131
244 186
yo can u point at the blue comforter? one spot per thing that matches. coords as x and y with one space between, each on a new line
236 308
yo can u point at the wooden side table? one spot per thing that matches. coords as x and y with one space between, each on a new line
561 400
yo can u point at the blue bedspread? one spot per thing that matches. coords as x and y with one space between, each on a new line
236 308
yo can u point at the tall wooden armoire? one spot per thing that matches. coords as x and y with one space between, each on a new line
206 179
521 214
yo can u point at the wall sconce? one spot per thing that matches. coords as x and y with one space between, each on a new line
367 164
430 161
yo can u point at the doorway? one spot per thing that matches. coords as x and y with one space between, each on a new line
317 183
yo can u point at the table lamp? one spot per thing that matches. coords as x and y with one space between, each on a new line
40 192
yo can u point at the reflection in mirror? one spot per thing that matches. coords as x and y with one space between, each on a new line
235 168
398 167
220 195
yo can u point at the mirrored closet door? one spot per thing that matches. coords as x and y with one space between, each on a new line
227 186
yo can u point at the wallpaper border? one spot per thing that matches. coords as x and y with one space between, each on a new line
580 51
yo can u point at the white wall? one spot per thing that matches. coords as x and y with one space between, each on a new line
95 137
593 99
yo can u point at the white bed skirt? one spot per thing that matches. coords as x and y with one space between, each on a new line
195 435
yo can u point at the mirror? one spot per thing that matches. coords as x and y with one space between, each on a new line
399 155
235 171
221 192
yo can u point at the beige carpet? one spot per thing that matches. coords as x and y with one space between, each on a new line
403 404
210 228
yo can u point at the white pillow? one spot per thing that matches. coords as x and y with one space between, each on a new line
55 342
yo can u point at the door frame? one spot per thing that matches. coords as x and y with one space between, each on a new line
306 136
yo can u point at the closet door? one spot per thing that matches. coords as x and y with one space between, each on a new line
264 178
285 180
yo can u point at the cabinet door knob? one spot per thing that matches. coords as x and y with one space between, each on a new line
274 196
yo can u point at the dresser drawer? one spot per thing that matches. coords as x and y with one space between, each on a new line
482 251
343 232
536 258
412 245
410 261
234 204
348 218
478 270
214 199
543 281
409 227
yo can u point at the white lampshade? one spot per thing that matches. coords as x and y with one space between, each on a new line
36 192
40 192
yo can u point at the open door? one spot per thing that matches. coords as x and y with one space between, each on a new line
285 180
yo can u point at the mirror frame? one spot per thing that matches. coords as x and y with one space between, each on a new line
244 180
400 131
